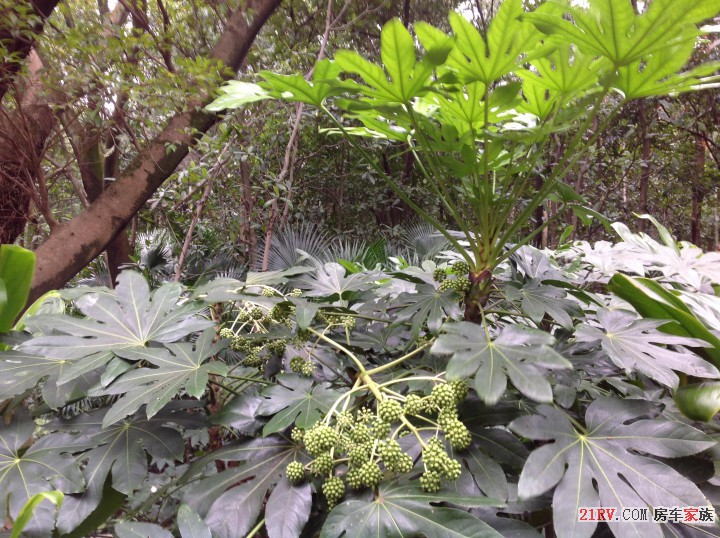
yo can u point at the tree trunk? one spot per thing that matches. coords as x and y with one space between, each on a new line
645 163
698 191
16 45
77 242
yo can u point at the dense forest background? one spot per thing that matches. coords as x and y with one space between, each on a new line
110 94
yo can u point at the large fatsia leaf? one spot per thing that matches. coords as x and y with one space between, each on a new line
607 464
295 400
520 353
179 366
508 40
296 88
329 280
428 306
129 318
289 509
611 29
20 371
400 78
399 511
119 451
537 299
230 510
636 345
45 466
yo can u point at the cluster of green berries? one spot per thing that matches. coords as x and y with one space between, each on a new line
460 268
296 292
439 275
347 322
333 489
268 292
295 471
302 366
437 465
366 441
460 283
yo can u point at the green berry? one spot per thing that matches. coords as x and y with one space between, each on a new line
443 395
439 275
462 283
353 478
252 360
414 405
345 420
361 434
430 481
295 471
360 454
333 489
394 458
320 438
446 285
364 416
460 388
226 333
380 429
370 474
268 292
389 411
457 433
447 416
460 268
322 465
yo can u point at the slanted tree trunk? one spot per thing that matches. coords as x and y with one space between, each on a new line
78 241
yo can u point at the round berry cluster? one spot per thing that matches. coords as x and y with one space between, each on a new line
302 366
357 448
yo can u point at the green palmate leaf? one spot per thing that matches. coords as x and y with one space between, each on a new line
437 43
46 466
487 472
537 300
428 306
179 366
21 371
603 466
138 529
237 94
520 353
190 524
288 508
16 271
658 74
129 318
508 39
295 88
401 78
612 29
295 400
232 512
635 345
651 300
119 452
404 511
329 280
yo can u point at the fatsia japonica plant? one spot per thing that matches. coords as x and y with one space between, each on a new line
478 111
491 390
